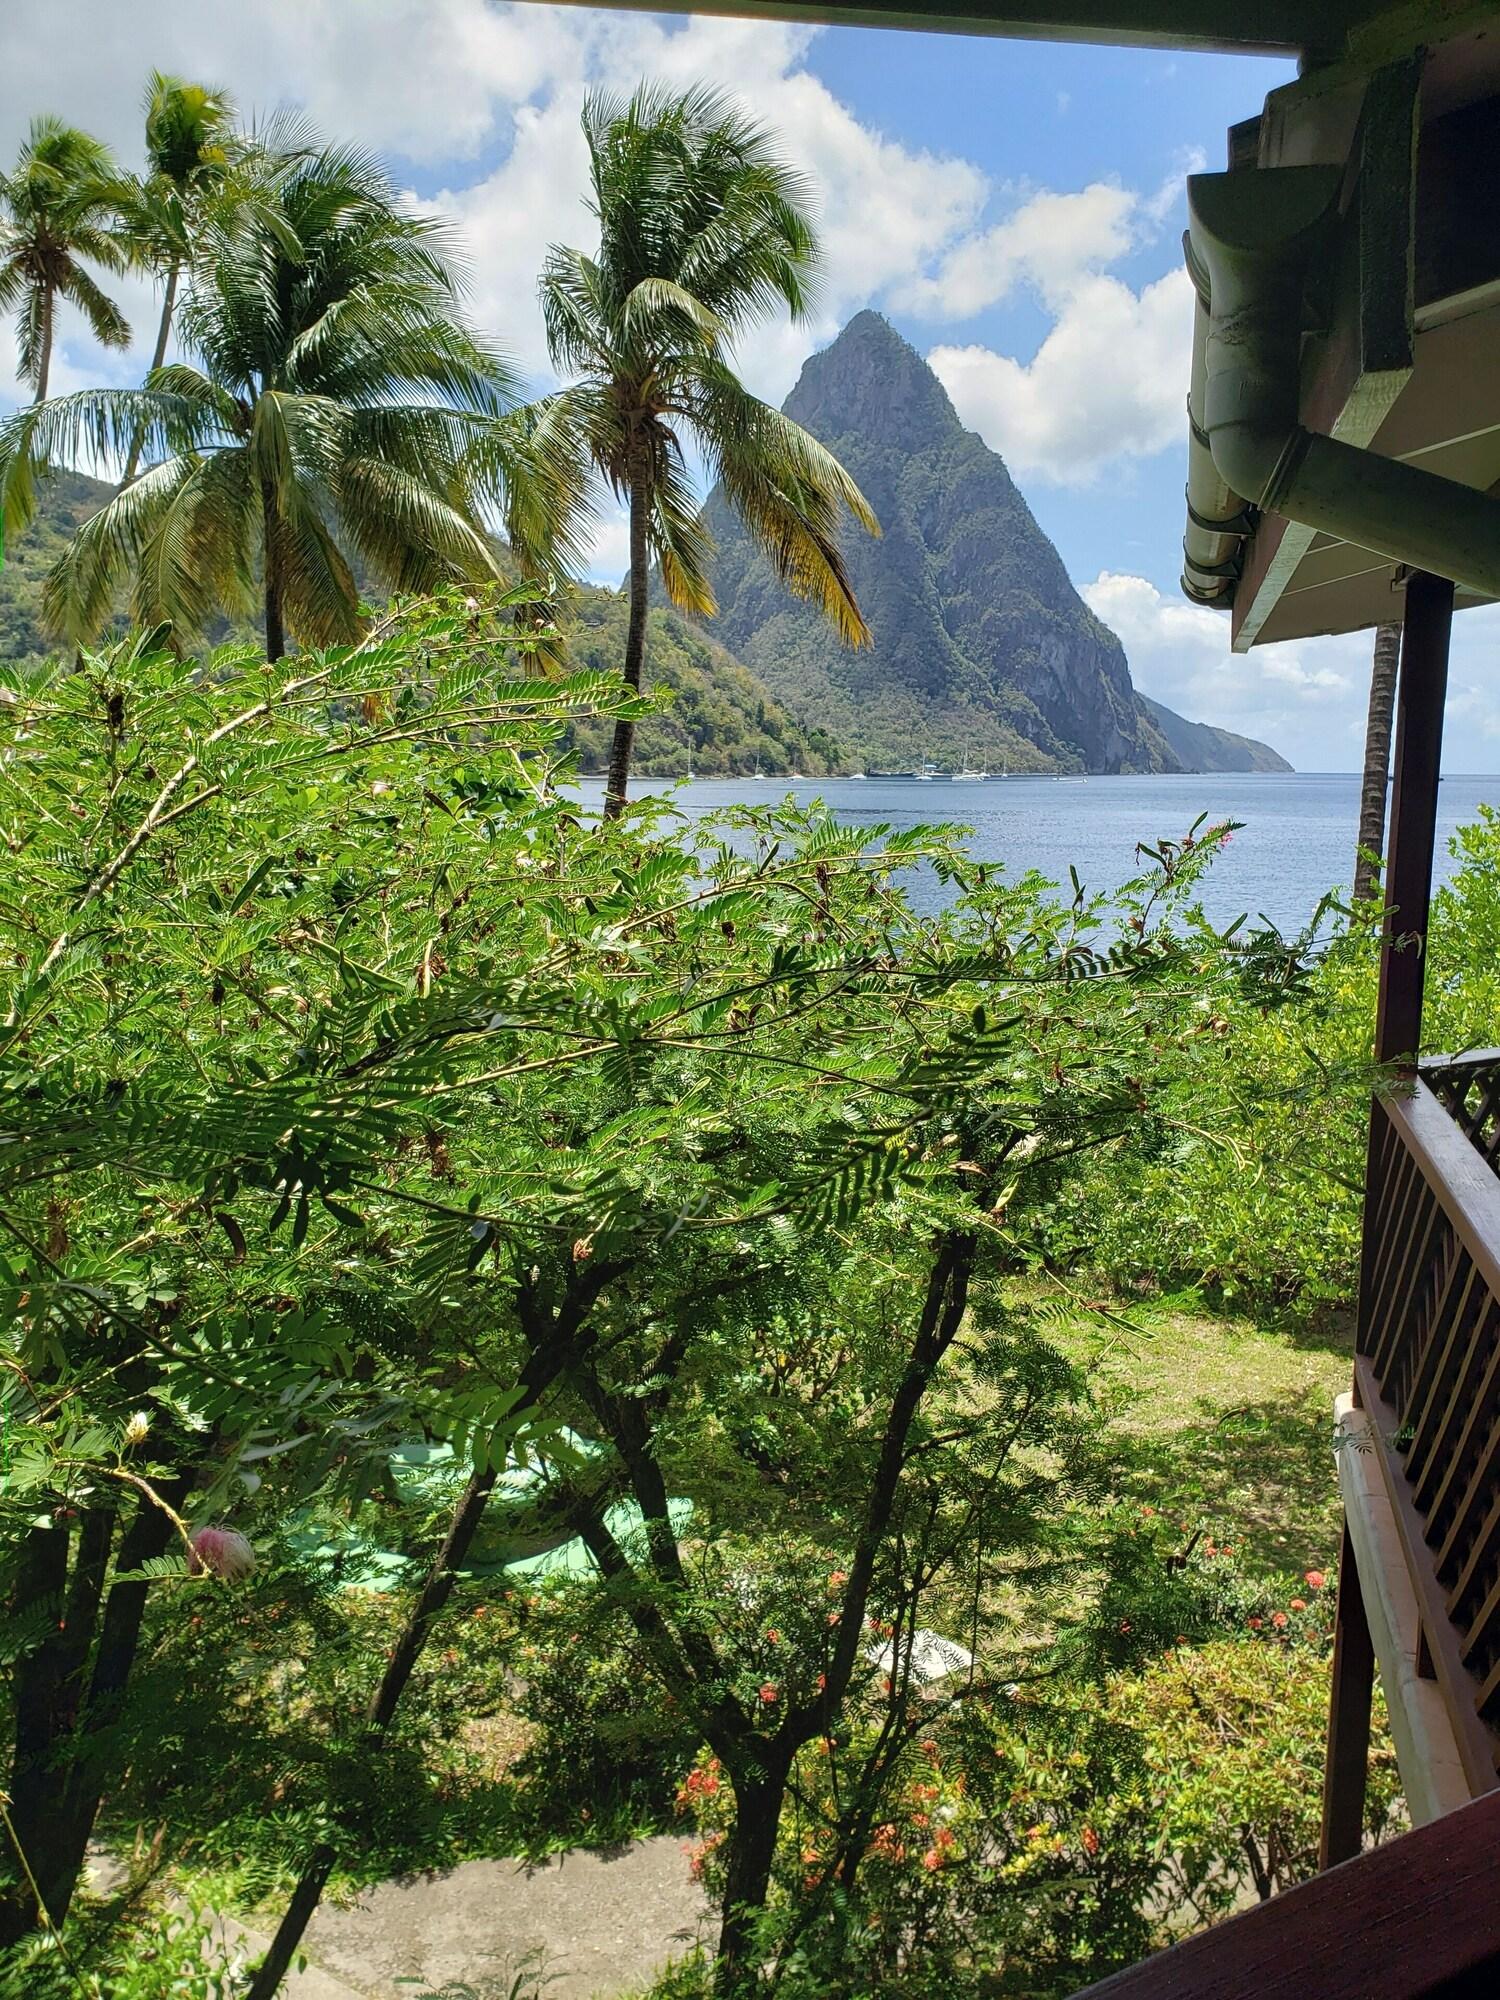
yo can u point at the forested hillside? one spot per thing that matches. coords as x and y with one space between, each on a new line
719 711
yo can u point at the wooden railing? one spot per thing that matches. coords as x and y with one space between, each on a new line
1427 1371
1419 1917
1468 1088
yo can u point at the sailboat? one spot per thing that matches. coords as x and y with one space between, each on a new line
968 775
927 773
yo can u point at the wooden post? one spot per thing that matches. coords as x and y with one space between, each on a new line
1420 695
1348 1753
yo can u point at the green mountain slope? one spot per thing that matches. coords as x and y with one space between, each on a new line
1199 746
982 648
67 501
720 712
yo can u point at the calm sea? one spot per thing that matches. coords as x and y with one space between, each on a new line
1297 839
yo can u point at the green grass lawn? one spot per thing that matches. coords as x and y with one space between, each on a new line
1225 1425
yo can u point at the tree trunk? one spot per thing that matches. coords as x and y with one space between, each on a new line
169 301
48 1792
44 355
434 1594
751 1853
1377 760
271 564
635 647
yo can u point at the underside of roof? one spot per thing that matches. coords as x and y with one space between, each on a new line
1322 30
1344 411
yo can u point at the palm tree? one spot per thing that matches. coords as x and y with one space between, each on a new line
190 146
57 208
335 406
702 231
1372 797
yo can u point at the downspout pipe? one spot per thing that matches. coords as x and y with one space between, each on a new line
1218 520
1255 234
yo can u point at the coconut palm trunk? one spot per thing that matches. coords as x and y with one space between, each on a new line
1372 798
271 577
44 344
623 746
158 356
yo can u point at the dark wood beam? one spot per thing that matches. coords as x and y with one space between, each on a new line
1314 28
1416 1919
1347 1767
1421 692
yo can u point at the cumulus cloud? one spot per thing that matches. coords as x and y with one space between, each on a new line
1050 241
1306 697
1107 383
428 79
884 209
1108 380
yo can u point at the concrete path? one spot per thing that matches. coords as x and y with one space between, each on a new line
602 1924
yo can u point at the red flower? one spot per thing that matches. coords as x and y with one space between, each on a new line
1299 1604
1278 1619
768 1688
774 1636
1090 1841
1255 1624
1315 1579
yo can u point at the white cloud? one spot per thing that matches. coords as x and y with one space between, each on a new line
884 210
1107 383
424 78
1050 241
1306 697
433 83
486 98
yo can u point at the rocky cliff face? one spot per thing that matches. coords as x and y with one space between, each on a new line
1199 746
983 649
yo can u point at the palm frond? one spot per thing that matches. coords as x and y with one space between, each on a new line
319 594
679 536
106 322
788 489
85 583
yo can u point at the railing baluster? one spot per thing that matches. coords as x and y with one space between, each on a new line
1418 1410
1430 1372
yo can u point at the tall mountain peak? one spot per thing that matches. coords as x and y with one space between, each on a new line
983 651
872 383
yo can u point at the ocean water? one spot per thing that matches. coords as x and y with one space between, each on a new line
1296 840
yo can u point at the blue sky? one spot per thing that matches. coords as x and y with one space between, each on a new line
1015 208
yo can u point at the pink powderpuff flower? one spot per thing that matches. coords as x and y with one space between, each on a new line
221 1552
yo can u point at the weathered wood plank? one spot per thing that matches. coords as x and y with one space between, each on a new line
1416 1917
